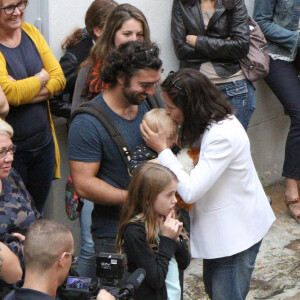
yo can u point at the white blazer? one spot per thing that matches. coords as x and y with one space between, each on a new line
232 212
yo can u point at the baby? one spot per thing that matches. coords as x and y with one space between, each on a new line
187 156
142 152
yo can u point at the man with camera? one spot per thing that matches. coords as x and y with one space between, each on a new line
48 255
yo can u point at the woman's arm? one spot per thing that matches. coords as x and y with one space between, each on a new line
234 47
215 158
263 14
18 92
210 48
10 268
4 107
138 252
216 154
183 50
57 81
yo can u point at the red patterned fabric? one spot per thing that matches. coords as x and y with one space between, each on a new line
94 85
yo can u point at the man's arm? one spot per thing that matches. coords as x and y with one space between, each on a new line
10 268
88 186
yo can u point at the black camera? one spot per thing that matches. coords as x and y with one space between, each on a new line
109 268
110 265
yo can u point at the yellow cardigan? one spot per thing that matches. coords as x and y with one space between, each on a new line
23 91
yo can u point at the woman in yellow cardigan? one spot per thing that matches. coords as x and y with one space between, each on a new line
29 76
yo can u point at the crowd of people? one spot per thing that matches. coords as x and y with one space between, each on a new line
150 198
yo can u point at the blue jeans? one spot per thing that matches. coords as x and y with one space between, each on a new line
86 261
241 96
36 169
228 278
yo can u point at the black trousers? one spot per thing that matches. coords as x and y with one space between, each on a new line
284 82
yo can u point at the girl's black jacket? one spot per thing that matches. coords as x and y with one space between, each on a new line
156 263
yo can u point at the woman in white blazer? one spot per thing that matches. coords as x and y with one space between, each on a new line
232 213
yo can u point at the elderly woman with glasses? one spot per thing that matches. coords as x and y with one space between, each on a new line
29 76
16 208
231 213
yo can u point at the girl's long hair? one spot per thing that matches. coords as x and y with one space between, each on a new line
200 101
119 15
95 16
148 180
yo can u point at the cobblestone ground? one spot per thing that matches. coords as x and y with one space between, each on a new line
277 272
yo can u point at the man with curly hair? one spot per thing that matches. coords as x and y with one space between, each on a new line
97 167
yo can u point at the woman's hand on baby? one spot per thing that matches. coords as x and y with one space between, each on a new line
154 140
170 227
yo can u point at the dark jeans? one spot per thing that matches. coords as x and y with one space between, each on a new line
228 278
284 82
36 169
241 96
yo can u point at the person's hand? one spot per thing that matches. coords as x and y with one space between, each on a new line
156 141
20 236
191 40
43 77
104 295
41 96
170 227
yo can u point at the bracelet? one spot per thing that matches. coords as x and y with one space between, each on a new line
43 78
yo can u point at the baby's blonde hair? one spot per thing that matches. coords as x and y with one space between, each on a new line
158 114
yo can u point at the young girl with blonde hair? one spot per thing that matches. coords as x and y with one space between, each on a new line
150 234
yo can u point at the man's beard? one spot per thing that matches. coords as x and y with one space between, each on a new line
132 97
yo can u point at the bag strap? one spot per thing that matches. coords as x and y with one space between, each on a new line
97 111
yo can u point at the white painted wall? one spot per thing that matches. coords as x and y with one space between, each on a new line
65 16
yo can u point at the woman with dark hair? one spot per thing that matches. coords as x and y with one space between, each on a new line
77 46
126 23
211 36
279 20
232 213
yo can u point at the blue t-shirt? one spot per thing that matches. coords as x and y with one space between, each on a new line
29 121
89 142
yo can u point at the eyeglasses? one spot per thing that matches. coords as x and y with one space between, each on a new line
146 54
10 9
4 151
173 84
74 258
